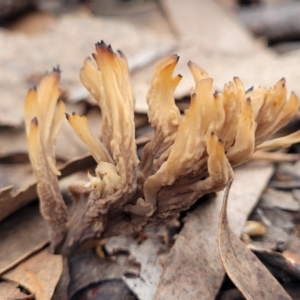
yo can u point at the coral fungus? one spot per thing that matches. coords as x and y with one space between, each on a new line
189 155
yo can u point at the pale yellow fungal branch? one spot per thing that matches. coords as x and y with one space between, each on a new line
115 179
44 114
218 131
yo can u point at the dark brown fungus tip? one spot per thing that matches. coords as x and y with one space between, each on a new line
67 116
176 57
216 95
121 53
249 90
248 100
179 75
110 49
212 133
73 113
56 70
101 44
189 63
194 95
35 121
220 141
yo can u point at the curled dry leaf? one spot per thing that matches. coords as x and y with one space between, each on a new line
249 275
189 155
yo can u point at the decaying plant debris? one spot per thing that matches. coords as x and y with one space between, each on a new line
189 155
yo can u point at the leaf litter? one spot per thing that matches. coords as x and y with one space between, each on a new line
244 212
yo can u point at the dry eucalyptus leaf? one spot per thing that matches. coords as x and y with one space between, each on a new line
39 274
148 255
279 218
10 291
279 199
198 238
87 268
21 234
11 201
245 270
193 269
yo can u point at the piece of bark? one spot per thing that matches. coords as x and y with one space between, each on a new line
195 250
148 255
21 234
39 274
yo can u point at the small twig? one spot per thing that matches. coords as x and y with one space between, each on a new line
275 156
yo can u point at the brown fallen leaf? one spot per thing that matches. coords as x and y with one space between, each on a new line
21 235
249 275
87 268
10 201
39 274
10 291
279 199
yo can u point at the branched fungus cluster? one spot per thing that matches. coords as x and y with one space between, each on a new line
189 155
